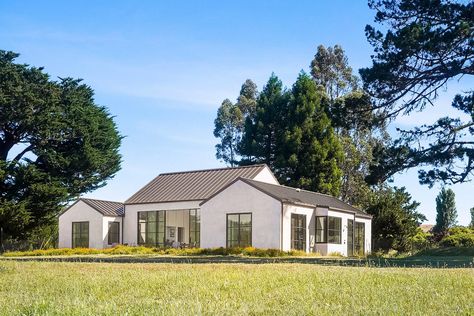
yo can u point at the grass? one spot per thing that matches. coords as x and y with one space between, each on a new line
52 288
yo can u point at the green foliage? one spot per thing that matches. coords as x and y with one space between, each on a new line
471 225
55 143
230 120
446 213
141 250
420 241
395 222
330 69
426 44
458 237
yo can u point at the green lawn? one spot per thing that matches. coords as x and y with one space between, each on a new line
56 288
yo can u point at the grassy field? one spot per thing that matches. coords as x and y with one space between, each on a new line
55 288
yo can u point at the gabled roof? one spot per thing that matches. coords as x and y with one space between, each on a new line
298 196
106 208
191 185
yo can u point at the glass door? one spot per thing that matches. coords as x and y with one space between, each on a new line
350 237
298 232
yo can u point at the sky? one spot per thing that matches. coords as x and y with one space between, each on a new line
162 68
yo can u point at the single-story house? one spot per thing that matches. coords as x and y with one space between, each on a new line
227 207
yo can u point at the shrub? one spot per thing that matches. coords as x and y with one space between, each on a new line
458 237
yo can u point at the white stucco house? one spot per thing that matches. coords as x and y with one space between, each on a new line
227 207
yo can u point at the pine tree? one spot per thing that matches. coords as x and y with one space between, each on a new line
312 152
472 218
446 213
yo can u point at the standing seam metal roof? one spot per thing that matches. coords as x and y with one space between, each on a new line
191 185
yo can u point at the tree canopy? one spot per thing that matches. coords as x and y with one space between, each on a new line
55 144
446 213
425 45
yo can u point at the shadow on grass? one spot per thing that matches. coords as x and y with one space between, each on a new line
428 261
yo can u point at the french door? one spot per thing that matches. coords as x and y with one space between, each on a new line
350 237
298 232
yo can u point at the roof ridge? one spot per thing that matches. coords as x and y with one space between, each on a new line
285 186
100 200
214 169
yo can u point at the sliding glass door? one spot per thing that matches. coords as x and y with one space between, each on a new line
151 228
359 238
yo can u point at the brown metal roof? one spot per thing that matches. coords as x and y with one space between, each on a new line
298 196
191 185
107 208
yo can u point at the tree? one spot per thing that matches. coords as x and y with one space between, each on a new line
263 132
446 213
311 151
426 44
395 220
230 121
55 144
330 69
472 218
356 124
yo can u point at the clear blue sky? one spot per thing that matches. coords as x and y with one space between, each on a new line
163 68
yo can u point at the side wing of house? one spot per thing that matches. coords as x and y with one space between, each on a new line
81 226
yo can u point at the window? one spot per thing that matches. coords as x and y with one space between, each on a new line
328 229
194 228
239 230
334 230
114 233
151 228
359 238
80 234
321 224
298 232
350 237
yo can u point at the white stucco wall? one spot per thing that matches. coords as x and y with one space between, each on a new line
289 209
81 212
241 198
105 229
130 224
266 176
368 233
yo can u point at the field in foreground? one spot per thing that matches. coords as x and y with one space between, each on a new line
56 288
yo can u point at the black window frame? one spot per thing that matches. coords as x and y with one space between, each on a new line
359 243
81 229
195 228
326 230
350 237
109 241
297 244
157 231
239 239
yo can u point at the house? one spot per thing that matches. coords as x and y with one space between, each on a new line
227 207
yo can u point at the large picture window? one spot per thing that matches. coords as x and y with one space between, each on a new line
328 229
151 228
80 234
194 228
359 238
239 230
113 235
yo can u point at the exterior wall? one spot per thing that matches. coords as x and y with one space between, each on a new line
342 247
266 176
105 229
289 209
241 198
130 224
368 233
81 212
